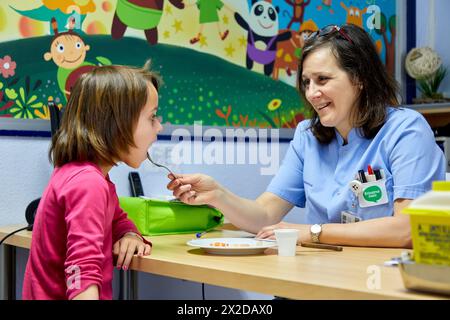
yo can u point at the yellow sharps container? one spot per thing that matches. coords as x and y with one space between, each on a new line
430 225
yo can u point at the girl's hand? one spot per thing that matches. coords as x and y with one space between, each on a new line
127 246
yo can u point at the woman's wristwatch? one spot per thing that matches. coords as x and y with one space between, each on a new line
315 231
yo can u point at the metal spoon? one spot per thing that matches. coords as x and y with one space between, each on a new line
170 171
160 165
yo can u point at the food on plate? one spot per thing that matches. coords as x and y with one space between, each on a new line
229 245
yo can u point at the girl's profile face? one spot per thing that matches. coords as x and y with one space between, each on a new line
147 128
329 90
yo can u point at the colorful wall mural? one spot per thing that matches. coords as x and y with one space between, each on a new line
224 62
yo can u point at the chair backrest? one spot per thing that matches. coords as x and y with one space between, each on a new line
55 116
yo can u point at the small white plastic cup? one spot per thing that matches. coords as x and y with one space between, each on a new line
287 241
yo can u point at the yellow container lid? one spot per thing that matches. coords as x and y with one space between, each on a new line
441 186
435 202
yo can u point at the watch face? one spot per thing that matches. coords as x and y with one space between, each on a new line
316 228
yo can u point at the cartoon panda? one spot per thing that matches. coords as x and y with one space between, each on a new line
262 25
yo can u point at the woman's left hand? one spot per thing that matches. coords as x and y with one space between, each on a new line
127 246
303 231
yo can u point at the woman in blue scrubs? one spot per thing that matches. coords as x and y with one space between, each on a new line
354 166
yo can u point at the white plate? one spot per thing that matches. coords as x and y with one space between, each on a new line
232 246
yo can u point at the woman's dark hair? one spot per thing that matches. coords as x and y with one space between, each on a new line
360 60
101 115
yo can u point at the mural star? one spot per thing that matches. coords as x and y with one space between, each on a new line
229 50
242 41
168 9
202 41
166 34
177 25
225 19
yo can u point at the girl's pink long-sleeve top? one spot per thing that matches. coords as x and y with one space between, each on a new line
77 222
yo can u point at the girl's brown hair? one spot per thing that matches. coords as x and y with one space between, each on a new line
101 114
360 60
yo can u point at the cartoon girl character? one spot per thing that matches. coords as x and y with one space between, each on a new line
68 52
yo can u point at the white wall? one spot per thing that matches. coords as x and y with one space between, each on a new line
433 26
25 171
443 38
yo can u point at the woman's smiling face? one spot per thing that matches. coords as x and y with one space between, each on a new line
330 90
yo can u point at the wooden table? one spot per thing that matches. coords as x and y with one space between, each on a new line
354 273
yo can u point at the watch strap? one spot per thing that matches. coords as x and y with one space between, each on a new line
316 235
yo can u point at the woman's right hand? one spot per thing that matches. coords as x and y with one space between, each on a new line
195 188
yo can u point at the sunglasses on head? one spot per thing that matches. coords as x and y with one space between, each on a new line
328 30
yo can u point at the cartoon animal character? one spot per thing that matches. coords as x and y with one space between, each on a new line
209 14
262 27
354 15
140 14
62 11
289 52
298 9
68 52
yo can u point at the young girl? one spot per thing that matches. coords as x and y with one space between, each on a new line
110 117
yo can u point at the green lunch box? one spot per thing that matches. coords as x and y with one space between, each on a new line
160 217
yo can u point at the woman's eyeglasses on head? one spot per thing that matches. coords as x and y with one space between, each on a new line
328 30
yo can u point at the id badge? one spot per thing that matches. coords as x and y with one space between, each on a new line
348 217
372 193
